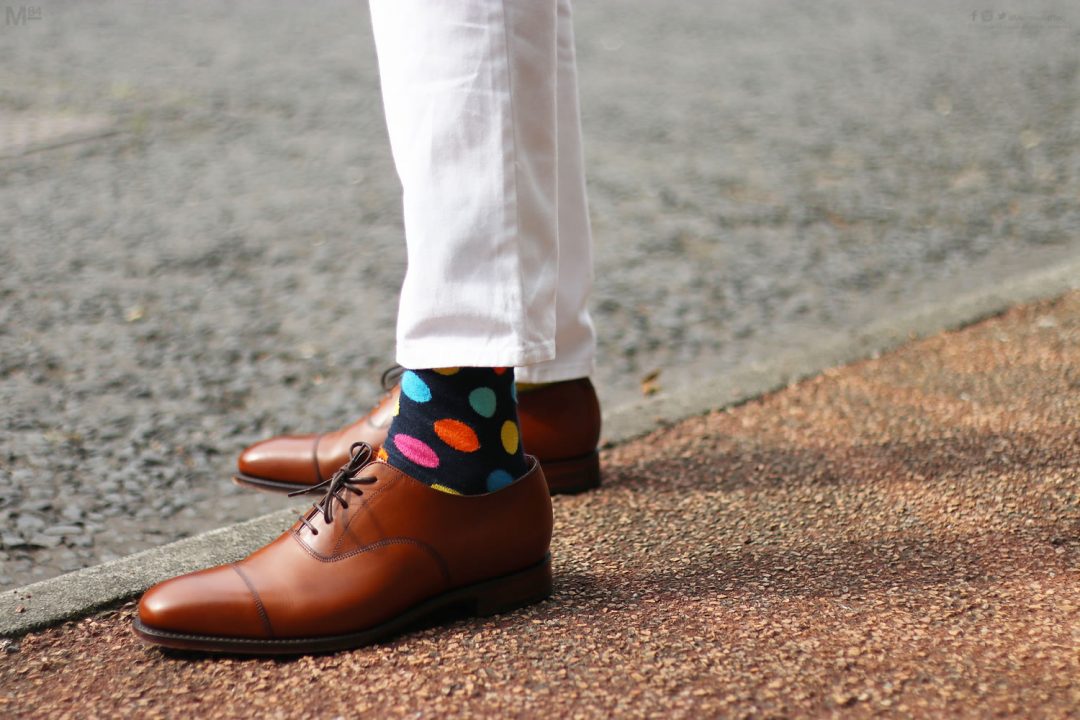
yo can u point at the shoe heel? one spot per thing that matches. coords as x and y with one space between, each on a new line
567 477
514 591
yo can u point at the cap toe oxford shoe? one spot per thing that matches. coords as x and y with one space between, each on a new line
287 463
377 554
560 426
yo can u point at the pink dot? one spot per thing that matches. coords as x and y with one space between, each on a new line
415 450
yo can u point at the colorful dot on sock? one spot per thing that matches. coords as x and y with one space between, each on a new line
513 391
447 371
499 370
416 450
414 388
445 489
498 479
482 400
382 454
457 435
509 436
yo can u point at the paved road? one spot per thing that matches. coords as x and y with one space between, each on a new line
898 537
201 243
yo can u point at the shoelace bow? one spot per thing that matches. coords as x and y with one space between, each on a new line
360 455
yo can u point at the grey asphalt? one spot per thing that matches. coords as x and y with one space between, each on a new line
201 244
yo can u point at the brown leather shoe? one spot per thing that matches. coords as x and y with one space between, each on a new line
560 425
379 553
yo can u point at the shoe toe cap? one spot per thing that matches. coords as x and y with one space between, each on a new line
288 458
214 602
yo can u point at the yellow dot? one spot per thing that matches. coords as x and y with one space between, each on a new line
443 488
382 454
509 436
447 371
397 406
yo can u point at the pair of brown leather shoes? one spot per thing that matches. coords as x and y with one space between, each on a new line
560 426
381 551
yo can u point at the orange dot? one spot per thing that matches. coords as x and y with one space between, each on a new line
448 371
382 454
499 370
457 435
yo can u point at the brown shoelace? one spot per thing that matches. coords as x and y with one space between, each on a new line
360 455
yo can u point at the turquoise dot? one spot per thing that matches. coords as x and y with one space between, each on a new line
513 391
414 388
482 400
498 479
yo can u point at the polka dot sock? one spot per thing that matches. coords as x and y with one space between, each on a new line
456 429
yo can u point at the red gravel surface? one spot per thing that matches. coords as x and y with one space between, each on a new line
900 536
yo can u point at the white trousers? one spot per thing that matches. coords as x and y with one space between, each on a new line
481 104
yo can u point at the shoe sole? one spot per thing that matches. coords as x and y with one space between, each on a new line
564 477
483 599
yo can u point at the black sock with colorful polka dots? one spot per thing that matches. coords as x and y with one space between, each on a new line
456 429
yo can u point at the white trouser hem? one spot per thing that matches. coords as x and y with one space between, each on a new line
440 353
554 372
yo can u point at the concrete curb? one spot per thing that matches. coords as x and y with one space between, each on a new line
635 419
79 593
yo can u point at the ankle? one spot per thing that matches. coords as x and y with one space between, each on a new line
457 430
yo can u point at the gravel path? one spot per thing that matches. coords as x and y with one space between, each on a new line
201 245
896 537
